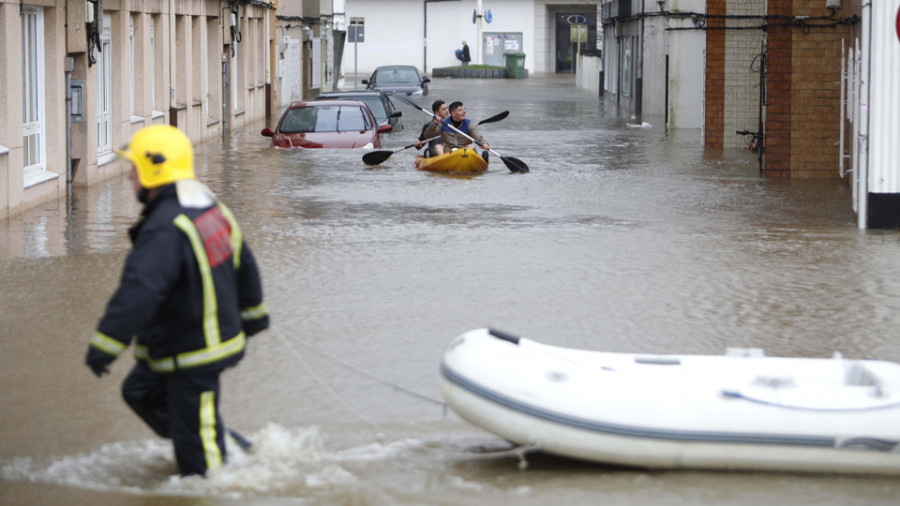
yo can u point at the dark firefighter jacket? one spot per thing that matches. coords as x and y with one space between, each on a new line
190 288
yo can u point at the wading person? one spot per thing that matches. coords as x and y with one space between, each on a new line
450 139
190 294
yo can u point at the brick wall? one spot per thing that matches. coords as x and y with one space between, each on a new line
804 91
816 92
713 122
778 93
802 110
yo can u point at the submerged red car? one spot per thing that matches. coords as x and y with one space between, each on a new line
327 124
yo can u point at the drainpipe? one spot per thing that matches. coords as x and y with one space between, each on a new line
862 215
70 64
172 66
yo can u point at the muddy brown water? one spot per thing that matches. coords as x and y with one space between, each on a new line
620 238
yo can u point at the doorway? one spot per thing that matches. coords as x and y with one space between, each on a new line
574 32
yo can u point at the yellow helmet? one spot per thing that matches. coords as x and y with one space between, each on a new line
162 154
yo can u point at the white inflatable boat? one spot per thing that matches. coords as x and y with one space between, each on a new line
741 410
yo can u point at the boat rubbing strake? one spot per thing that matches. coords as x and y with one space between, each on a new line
741 410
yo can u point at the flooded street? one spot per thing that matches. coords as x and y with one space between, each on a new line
619 239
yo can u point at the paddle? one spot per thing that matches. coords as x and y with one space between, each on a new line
376 157
513 164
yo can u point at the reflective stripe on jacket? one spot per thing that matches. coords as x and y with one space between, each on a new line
190 289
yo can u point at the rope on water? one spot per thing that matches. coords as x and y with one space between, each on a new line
370 375
518 451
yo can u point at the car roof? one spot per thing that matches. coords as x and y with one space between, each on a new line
389 67
359 93
315 103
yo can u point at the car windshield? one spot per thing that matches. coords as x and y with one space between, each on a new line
324 118
396 76
376 106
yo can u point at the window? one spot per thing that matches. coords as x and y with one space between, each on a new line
33 90
152 64
156 72
213 69
104 96
131 62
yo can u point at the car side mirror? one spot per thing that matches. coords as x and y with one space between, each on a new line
383 129
365 81
396 114
426 79
267 132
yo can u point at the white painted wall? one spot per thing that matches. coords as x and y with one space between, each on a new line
655 41
686 67
394 32
884 113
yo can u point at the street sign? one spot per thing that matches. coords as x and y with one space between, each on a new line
356 32
488 16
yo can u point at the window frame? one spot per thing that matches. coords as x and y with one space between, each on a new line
34 117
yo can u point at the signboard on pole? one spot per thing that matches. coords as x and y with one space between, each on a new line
356 34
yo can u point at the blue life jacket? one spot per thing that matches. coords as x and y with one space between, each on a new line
464 127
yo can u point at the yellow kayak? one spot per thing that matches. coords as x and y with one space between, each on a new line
459 161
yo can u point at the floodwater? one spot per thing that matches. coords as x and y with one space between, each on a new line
620 238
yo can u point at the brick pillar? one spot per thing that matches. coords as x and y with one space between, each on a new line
714 122
778 93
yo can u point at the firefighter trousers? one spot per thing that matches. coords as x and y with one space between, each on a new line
182 406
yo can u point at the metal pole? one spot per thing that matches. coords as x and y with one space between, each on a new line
355 68
69 135
224 96
478 36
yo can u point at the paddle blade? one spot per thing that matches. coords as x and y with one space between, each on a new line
495 118
408 101
514 164
376 157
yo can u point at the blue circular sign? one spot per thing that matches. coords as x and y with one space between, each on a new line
488 16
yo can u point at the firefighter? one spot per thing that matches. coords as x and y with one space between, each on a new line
191 294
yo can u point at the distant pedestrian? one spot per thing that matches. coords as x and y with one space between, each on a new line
191 295
463 54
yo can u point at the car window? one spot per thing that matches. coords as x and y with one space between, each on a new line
325 118
351 118
299 120
376 106
396 76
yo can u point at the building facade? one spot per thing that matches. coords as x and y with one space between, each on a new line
80 76
758 74
433 29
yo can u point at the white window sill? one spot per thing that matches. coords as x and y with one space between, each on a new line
136 119
40 177
157 114
4 150
105 158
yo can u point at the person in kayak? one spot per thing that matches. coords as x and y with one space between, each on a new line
450 138
441 111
